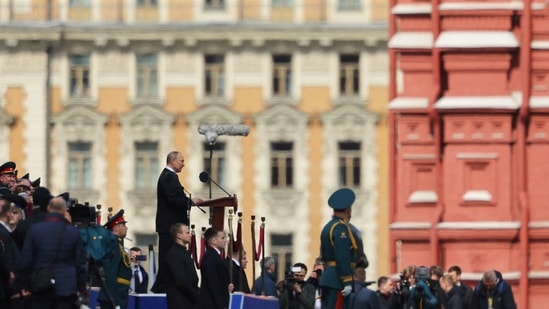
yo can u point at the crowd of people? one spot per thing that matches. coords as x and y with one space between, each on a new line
37 233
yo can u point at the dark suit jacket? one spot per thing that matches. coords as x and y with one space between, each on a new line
172 203
143 286
237 271
214 283
181 278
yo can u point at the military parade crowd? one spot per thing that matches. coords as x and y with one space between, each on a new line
47 261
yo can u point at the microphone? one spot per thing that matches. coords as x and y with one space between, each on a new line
205 177
212 131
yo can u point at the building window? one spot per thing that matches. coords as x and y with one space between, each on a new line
79 3
216 167
282 75
214 4
146 2
146 165
80 165
214 75
349 5
282 3
79 76
147 76
281 164
349 164
281 251
348 75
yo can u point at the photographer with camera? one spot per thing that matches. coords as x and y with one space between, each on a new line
297 293
140 278
423 294
400 299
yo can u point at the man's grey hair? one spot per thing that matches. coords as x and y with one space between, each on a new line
267 262
489 276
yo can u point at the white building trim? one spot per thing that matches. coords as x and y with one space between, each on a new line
480 225
473 6
488 102
476 39
412 40
411 8
409 103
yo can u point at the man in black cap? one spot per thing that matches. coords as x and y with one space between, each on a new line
41 198
116 267
8 175
338 250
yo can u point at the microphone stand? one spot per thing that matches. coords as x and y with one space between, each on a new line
210 182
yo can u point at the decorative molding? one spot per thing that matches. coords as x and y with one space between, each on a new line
80 123
477 196
423 197
410 225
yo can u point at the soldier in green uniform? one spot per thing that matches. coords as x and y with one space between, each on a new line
338 250
116 267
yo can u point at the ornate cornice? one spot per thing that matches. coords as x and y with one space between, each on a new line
193 34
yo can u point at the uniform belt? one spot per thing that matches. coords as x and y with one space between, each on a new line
333 264
123 281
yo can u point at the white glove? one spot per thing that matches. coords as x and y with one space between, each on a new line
346 290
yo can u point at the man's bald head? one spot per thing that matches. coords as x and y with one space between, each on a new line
58 205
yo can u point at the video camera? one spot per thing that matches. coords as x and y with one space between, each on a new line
82 215
423 275
404 286
289 277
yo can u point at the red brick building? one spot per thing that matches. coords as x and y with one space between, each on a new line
469 90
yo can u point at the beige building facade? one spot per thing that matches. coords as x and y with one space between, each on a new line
95 93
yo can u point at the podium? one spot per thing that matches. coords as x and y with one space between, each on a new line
218 209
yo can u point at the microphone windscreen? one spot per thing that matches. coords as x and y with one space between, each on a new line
204 176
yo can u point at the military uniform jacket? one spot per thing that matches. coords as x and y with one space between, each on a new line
338 249
118 273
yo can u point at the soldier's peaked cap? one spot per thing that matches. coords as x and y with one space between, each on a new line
116 219
7 168
342 199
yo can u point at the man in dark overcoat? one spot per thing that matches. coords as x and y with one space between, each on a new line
181 278
215 283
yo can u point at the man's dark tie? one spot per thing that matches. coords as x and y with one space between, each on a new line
136 275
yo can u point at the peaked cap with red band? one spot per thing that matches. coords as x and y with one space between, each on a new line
8 168
116 219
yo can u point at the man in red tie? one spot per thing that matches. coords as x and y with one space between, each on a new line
215 283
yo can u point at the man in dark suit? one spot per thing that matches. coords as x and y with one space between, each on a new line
180 274
215 284
172 207
140 279
239 265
